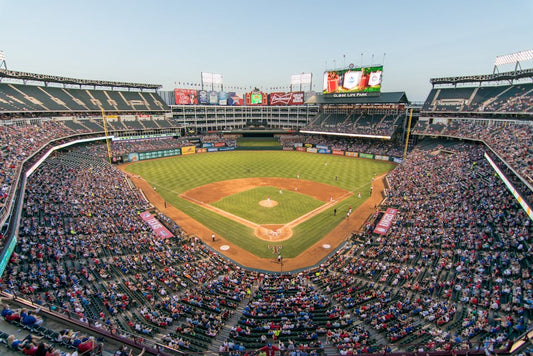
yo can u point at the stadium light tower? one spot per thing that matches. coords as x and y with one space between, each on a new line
516 58
3 60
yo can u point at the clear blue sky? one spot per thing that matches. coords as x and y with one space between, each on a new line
261 43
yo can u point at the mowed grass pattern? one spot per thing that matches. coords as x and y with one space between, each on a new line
291 205
175 175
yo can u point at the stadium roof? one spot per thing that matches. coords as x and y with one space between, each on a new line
384 98
515 75
64 80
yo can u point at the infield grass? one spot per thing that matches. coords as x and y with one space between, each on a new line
175 175
291 205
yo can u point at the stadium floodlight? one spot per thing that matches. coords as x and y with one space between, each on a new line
299 79
3 60
304 78
211 78
517 57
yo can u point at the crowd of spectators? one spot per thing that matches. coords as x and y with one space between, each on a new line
122 147
511 141
380 125
18 142
459 243
452 271
230 140
84 249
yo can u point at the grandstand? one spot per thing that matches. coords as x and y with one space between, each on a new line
381 116
498 115
451 276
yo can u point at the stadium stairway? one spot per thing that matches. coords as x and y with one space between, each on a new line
224 333
329 349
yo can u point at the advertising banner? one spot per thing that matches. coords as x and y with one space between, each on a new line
353 80
185 96
300 149
207 145
352 154
322 147
212 149
150 155
133 157
338 152
172 152
308 145
324 151
366 155
159 229
219 144
397 160
312 150
201 150
203 97
226 148
284 99
256 98
386 221
298 144
188 150
7 255
213 97
382 158
234 99
222 98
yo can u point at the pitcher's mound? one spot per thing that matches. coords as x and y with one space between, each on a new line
269 203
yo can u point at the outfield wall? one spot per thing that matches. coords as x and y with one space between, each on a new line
318 149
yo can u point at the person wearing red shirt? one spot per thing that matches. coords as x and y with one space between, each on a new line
269 349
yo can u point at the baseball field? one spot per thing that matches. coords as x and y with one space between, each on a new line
260 201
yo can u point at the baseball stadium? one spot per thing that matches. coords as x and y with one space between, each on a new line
202 220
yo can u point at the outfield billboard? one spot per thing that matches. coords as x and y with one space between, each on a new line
285 99
353 81
203 97
233 99
188 150
222 98
186 97
213 97
256 98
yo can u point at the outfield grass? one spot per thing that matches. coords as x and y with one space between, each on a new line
175 175
291 205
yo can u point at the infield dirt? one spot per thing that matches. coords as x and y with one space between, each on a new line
215 191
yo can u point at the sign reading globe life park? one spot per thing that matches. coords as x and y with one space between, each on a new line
353 82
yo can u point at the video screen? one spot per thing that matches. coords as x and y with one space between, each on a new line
256 98
353 80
